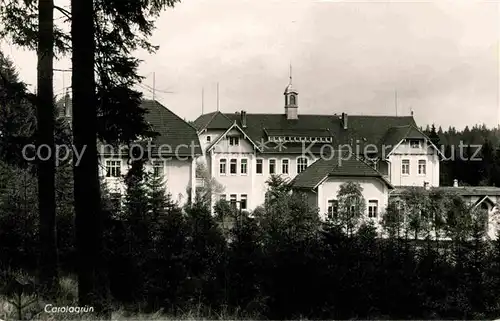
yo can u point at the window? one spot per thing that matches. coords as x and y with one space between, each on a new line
113 168
222 167
414 143
272 166
421 167
234 141
222 197
292 99
158 167
244 166
116 200
301 164
284 166
243 202
209 139
333 208
372 208
259 165
405 167
232 200
233 166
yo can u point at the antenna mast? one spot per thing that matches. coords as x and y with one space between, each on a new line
154 84
202 99
396 101
218 103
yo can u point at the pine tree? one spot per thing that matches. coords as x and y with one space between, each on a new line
137 207
434 137
160 202
138 227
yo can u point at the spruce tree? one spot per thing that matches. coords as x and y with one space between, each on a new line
138 226
434 137
160 202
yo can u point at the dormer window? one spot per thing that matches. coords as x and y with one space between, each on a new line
234 140
414 143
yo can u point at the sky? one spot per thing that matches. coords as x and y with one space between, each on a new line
439 58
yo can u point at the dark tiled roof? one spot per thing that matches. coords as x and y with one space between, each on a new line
461 190
396 134
345 166
215 120
173 131
361 130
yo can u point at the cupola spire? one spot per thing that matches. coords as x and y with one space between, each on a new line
291 95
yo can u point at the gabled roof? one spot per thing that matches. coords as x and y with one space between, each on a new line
214 120
176 135
235 125
485 198
346 166
361 130
395 135
173 131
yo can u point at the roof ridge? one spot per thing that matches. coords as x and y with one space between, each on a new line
223 115
211 118
332 115
214 115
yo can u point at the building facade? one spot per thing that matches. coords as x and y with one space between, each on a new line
242 150
171 154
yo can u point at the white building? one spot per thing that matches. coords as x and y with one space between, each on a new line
171 154
242 150
485 198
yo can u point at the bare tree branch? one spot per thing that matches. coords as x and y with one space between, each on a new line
63 11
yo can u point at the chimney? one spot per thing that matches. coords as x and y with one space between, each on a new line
344 120
426 185
455 183
243 119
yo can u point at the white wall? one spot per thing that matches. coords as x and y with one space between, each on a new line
493 213
214 134
493 221
253 184
179 174
403 151
373 189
